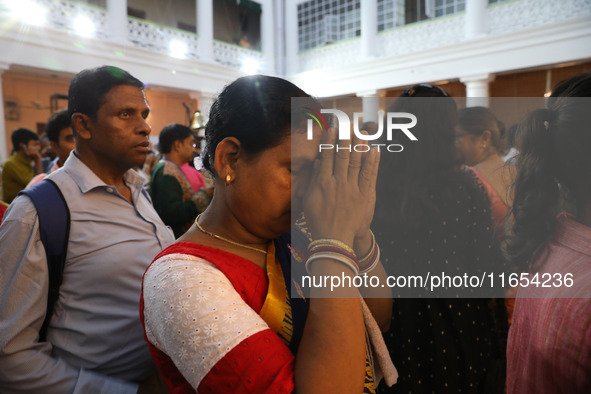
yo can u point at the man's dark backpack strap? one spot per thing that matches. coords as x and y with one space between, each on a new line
54 230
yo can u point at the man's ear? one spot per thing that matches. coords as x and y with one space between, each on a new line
176 146
227 154
54 145
80 124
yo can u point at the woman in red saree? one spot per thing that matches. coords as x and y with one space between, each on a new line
218 306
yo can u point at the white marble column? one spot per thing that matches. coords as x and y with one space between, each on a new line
476 22
371 105
291 37
369 27
117 20
477 92
205 29
268 36
279 26
4 154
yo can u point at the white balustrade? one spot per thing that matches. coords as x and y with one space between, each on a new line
513 16
146 35
233 55
503 17
339 54
62 14
422 36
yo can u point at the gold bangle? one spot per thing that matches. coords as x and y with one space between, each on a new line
372 264
331 242
335 257
370 253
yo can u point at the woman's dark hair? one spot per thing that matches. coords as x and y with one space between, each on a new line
58 121
171 133
575 86
512 136
425 90
431 163
88 88
554 162
476 120
256 110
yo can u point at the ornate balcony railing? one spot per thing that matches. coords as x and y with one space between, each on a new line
57 14
502 17
422 36
157 38
233 55
62 14
519 15
333 55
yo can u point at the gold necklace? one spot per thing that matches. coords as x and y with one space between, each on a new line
226 239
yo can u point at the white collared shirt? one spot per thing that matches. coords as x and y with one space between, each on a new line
95 338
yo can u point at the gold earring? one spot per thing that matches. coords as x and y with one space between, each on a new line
228 178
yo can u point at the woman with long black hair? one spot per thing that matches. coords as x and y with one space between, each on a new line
432 216
549 346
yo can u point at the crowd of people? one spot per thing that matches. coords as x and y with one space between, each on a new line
124 271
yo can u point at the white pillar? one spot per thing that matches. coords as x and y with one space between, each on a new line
475 19
278 10
205 29
268 36
3 136
117 20
477 89
291 37
369 27
371 105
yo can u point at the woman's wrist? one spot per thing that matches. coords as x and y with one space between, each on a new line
336 250
363 243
